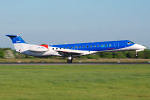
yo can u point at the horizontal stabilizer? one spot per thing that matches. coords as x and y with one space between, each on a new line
12 36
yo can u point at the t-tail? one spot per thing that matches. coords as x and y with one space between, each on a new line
19 44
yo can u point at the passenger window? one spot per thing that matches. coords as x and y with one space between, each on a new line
109 45
53 48
94 45
83 46
79 46
67 47
91 46
71 47
102 45
106 45
97 45
87 46
64 47
76 47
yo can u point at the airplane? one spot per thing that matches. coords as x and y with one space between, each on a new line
73 50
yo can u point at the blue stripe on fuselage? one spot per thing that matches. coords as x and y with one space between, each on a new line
96 46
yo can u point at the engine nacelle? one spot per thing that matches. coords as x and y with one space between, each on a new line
39 48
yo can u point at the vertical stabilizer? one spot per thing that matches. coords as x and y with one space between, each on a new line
19 44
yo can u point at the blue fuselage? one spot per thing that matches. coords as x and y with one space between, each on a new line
96 46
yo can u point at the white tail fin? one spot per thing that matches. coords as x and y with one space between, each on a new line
19 44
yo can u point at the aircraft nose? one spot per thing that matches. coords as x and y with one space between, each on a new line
142 47
139 47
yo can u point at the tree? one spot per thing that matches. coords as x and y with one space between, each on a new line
1 53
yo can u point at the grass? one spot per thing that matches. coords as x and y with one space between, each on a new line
60 59
75 82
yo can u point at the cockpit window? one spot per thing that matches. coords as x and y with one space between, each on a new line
130 42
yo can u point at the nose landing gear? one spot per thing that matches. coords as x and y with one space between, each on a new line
138 51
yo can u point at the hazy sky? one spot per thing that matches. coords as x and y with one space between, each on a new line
73 21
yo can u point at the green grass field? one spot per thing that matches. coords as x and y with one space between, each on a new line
75 82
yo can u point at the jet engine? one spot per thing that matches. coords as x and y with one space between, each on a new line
39 48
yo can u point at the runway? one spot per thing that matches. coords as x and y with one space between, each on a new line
74 63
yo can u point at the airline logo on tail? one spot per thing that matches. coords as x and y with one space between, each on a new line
16 39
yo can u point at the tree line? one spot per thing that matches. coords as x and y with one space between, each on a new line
9 53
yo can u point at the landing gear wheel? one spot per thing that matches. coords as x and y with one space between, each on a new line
69 60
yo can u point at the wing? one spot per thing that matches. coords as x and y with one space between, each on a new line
75 52
72 52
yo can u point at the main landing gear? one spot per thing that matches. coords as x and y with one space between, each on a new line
70 58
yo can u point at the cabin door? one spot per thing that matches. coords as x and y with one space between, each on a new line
116 45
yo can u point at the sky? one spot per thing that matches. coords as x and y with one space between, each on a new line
73 21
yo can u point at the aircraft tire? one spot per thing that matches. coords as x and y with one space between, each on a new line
69 61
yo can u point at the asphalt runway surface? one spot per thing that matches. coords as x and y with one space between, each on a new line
73 63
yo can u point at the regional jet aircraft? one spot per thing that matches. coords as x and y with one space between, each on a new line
73 50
